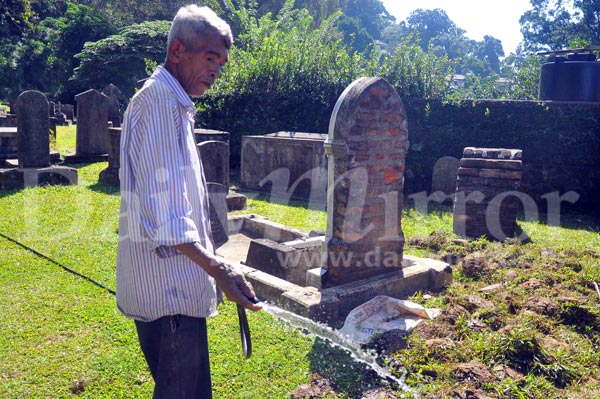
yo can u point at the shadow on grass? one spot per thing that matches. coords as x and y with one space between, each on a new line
8 193
105 188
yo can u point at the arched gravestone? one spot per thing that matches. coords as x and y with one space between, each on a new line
215 161
366 146
33 140
92 123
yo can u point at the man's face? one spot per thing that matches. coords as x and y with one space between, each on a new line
201 63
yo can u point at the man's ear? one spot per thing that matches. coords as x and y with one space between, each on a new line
175 51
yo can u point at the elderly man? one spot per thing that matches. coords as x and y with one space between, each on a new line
167 273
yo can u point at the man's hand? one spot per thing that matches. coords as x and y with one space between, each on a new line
235 286
231 281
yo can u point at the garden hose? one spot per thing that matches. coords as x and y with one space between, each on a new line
45 257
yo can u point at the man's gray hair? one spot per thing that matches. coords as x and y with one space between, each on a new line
192 22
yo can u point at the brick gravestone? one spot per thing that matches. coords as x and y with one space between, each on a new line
215 161
366 145
92 142
487 195
33 148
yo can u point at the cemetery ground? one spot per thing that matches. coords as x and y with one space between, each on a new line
520 320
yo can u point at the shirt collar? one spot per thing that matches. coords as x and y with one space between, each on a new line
165 76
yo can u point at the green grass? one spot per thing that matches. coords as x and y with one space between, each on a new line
62 336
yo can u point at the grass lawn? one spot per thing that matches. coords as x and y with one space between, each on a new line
62 336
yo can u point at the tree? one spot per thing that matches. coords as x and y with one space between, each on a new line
428 25
121 59
489 51
559 24
15 17
39 54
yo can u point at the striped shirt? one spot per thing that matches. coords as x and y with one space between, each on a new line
164 202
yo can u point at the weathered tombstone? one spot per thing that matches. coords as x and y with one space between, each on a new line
92 124
51 108
13 106
33 142
8 143
202 135
110 175
33 148
215 161
444 174
114 105
366 145
3 112
218 213
69 111
487 195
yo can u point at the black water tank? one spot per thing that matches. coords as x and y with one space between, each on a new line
574 78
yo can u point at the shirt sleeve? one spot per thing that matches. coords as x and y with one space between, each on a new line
159 167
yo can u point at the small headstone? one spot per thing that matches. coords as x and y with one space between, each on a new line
8 143
444 175
487 193
215 161
236 202
51 108
61 119
366 146
3 112
110 175
202 135
69 111
34 130
92 127
13 106
114 105
218 213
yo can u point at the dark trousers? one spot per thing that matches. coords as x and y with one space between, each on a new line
176 350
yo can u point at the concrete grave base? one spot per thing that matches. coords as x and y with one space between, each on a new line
19 178
14 162
259 241
332 305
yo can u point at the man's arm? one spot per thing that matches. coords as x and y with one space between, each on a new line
230 281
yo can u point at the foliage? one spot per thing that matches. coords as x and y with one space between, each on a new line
523 73
560 24
436 33
122 13
282 75
285 75
416 73
121 59
41 57
15 18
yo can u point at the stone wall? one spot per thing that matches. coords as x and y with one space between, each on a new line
560 142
